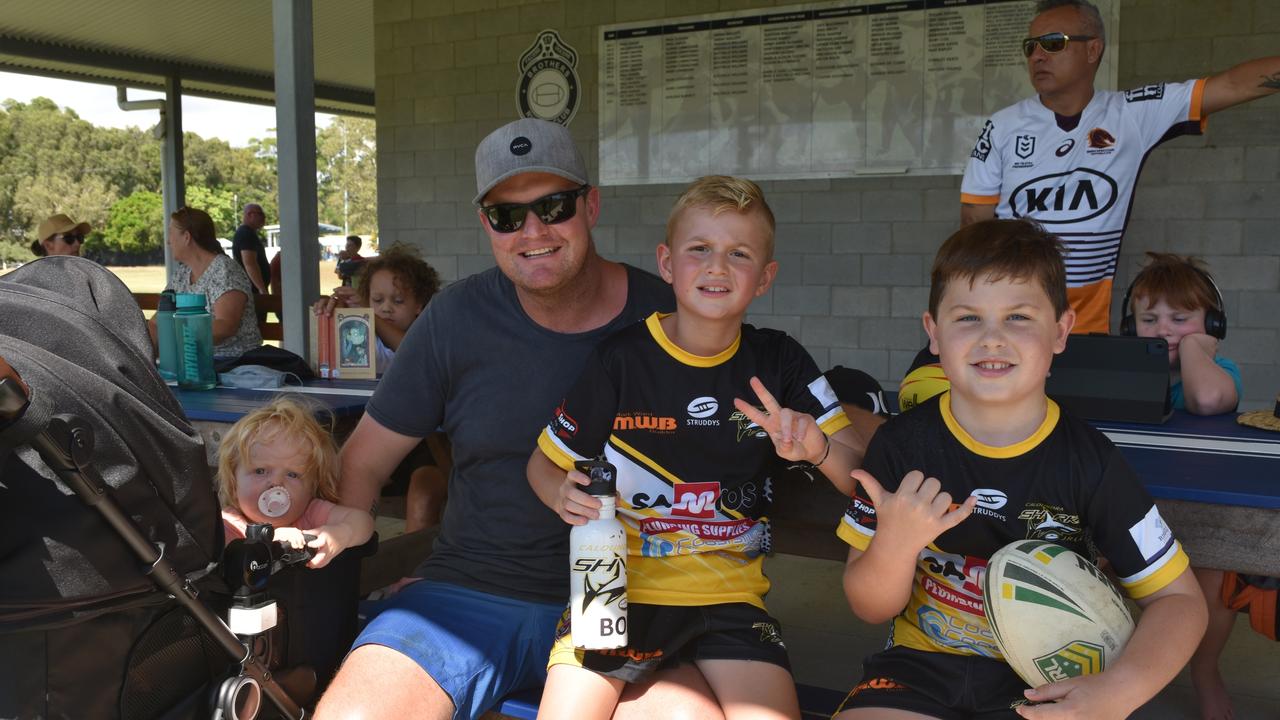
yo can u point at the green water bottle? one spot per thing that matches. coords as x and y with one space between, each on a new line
168 348
193 334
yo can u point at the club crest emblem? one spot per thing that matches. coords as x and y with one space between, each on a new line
549 88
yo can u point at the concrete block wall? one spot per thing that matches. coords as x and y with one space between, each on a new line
854 253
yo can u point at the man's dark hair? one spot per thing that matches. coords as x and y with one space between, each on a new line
355 239
1088 12
999 249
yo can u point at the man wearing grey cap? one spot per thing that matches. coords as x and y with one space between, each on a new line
488 361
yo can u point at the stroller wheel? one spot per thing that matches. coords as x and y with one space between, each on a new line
239 698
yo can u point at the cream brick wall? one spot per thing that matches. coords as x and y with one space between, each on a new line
854 253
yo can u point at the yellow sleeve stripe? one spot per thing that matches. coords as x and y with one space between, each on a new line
556 451
834 421
854 534
1157 575
979 199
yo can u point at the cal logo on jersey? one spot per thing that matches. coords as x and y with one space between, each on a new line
982 148
695 499
1146 92
1065 197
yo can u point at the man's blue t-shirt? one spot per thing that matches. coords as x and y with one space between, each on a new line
1180 401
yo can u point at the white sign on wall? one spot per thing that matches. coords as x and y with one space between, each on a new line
839 89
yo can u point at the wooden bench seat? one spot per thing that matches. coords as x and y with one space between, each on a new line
270 329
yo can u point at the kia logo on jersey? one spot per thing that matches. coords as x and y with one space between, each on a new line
1066 197
696 499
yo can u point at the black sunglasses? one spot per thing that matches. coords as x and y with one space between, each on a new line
550 209
72 238
1054 42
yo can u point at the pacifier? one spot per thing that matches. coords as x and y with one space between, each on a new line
274 502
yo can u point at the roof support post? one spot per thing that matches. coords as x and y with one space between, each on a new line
172 167
296 155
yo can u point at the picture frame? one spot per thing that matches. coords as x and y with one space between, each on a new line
344 345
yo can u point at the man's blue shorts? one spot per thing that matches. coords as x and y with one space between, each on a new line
478 647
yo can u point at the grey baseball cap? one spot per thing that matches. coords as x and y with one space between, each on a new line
527 145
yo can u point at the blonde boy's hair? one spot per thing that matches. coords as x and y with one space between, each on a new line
720 193
291 417
1180 281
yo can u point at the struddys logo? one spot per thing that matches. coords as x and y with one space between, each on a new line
549 88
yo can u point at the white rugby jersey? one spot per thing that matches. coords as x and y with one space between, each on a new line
1078 179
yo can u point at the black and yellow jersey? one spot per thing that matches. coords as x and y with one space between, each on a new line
1066 483
693 472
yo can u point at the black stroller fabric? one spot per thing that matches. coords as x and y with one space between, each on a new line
76 609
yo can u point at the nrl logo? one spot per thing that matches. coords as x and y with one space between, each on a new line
549 88
1025 146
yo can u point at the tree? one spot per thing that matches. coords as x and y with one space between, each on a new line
347 174
220 203
136 224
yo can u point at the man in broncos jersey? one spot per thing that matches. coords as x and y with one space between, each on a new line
1069 158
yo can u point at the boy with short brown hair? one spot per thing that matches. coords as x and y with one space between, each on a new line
662 400
1019 468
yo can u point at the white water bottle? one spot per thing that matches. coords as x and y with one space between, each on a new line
598 567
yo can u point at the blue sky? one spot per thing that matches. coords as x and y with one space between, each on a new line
231 121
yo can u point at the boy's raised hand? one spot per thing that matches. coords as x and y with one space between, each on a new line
795 435
574 505
917 513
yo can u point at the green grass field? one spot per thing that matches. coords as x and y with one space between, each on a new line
150 278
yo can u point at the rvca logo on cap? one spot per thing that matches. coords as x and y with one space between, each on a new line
521 146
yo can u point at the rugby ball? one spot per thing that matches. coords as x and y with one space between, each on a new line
921 384
1054 614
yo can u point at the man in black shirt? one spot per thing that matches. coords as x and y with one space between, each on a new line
247 248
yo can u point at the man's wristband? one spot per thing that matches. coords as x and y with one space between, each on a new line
825 453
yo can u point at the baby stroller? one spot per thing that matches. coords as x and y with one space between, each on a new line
111 592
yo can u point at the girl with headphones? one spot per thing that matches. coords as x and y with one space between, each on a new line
1175 299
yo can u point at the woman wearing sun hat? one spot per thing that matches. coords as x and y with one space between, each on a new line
59 235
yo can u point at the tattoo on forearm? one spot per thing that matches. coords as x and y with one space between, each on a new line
1271 82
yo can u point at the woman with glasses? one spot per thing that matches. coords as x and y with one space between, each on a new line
202 267
59 235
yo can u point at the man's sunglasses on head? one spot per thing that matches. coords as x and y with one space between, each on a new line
1054 42
550 209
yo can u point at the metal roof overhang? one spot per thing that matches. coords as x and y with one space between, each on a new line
219 49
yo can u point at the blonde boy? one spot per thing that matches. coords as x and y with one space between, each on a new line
1020 468
662 401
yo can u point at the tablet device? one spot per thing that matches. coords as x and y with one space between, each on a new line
1112 377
